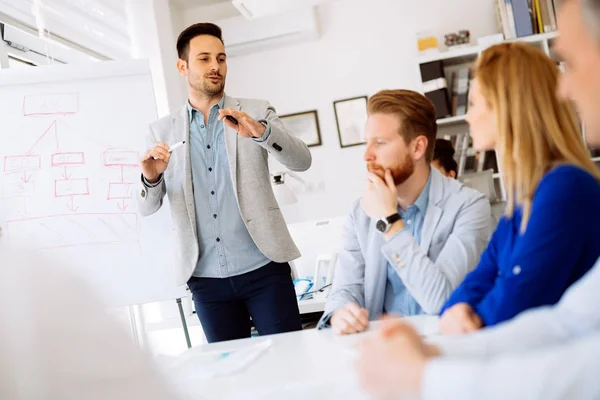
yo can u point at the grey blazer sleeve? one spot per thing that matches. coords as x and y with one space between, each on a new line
149 198
431 283
283 146
348 285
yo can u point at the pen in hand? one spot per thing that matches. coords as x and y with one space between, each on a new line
174 147
231 119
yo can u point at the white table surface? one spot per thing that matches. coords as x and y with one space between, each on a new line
310 364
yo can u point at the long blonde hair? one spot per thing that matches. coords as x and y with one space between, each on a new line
536 130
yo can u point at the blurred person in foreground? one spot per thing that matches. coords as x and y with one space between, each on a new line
58 343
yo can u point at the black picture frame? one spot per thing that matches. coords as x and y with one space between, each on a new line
304 125
350 118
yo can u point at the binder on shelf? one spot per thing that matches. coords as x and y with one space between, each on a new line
552 14
462 91
523 20
511 18
453 93
435 87
545 16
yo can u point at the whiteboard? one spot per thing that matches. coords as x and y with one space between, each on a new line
70 142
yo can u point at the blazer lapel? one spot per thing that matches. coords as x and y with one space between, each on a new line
231 141
434 213
181 131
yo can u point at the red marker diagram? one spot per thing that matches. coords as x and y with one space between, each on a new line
120 190
68 186
69 230
23 165
20 166
51 104
56 154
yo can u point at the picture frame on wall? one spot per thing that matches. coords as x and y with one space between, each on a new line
304 126
351 118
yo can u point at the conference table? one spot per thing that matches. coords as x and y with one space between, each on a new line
310 364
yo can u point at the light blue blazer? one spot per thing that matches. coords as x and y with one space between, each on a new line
456 230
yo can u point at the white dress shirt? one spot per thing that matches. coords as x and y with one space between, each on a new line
58 343
547 353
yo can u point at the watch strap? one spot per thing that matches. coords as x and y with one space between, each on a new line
393 218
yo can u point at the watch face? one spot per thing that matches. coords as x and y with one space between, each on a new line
381 226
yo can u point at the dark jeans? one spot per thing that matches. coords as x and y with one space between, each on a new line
224 306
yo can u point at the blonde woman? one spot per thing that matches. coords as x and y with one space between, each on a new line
549 236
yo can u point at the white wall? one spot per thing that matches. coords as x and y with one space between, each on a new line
365 46
152 33
210 13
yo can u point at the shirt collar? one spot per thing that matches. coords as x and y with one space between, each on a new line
191 109
423 199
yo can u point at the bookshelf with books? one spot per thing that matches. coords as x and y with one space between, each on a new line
522 18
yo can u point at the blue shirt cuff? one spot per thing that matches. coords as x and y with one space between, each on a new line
325 321
267 133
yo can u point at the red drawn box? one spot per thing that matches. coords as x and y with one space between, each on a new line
66 159
71 187
121 158
22 163
19 189
51 104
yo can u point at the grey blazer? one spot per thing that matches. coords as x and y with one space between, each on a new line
455 232
249 175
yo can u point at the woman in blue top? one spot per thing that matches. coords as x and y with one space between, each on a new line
549 235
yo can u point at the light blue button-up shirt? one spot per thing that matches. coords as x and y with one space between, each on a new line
226 247
398 299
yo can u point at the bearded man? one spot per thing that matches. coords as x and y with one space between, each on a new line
414 235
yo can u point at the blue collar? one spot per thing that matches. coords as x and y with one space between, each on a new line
191 109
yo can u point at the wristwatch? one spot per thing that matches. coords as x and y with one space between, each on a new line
383 225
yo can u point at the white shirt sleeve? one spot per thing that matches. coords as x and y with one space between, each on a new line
575 315
58 342
561 372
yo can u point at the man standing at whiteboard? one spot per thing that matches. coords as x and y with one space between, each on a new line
234 243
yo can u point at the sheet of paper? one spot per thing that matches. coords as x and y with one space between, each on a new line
212 364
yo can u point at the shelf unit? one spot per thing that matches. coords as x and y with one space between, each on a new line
457 125
451 120
474 50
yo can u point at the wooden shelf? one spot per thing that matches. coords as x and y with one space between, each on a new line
451 120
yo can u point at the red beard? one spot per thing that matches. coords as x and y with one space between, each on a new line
400 172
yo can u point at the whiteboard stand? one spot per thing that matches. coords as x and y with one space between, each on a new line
133 323
184 323
3 55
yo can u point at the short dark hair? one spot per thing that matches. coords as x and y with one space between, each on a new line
415 111
444 154
202 28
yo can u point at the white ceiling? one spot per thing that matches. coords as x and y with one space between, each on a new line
197 3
